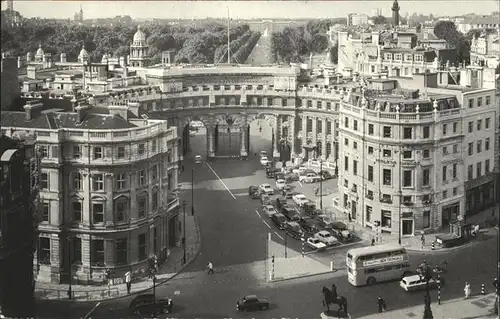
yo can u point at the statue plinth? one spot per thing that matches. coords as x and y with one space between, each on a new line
333 314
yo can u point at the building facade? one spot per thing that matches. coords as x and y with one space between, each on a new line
485 50
19 180
105 189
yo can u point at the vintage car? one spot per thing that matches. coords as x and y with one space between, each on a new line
280 202
293 230
287 191
265 199
268 210
339 230
315 243
326 238
310 209
300 199
279 220
147 305
310 225
266 189
290 212
252 302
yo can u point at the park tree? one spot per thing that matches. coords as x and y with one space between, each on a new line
380 20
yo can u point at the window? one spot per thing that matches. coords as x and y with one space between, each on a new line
142 177
445 194
355 125
355 167
354 146
455 170
346 122
44 181
346 183
141 204
387 131
455 127
370 173
141 239
121 152
387 176
76 254
346 141
153 146
471 148
445 127
77 181
121 182
284 102
471 103
309 104
479 124
470 172
141 149
44 253
479 101
386 218
445 150
97 254
407 154
479 147
444 172
455 148
387 153
407 178
488 100
427 218
479 169
77 152
471 127
370 129
328 105
487 144
419 58
426 177
154 172
370 149
77 211
397 56
346 163
487 123
427 131
98 213
426 154
44 151
45 212
369 212
98 182
270 101
155 201
487 166
97 152
407 133
120 211
121 251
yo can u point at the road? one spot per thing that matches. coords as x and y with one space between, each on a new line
234 239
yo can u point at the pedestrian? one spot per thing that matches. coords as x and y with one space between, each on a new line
350 217
373 241
495 283
467 290
128 280
210 268
381 304
422 239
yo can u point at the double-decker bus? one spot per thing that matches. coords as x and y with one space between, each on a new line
368 265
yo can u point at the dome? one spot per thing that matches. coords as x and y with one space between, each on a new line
139 36
83 53
40 50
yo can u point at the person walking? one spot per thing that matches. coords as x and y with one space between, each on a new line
381 304
128 280
210 268
422 240
467 290
373 241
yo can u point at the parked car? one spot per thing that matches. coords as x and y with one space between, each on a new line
266 189
300 199
253 191
263 154
315 243
270 173
280 202
325 175
325 221
252 302
326 238
290 213
264 160
287 191
265 199
414 282
339 230
309 224
198 159
280 183
299 170
279 220
310 208
146 305
280 175
269 210
309 178
291 177
293 230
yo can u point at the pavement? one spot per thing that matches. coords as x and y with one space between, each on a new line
235 238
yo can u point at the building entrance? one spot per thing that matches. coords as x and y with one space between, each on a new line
407 227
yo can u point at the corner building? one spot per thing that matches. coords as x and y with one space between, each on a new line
410 160
105 187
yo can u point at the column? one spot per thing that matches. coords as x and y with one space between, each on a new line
276 153
243 135
304 136
210 141
323 138
314 129
293 135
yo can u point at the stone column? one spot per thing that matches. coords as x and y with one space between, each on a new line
304 136
323 138
244 147
210 141
276 153
293 135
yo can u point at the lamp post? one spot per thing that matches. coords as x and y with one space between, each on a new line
70 293
192 191
286 245
184 231
321 185
425 272
399 214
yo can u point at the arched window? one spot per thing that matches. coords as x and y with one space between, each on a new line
142 204
121 207
98 210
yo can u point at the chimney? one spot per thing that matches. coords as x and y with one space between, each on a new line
119 110
81 111
133 107
32 108
19 62
122 61
31 72
63 57
426 34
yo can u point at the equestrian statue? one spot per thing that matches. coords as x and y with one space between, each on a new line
331 297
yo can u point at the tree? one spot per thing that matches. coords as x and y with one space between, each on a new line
334 53
380 20
447 30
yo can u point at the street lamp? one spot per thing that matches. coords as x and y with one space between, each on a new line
184 232
192 191
69 268
399 219
321 185
425 272
286 245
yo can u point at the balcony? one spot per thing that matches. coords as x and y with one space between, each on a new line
386 200
408 203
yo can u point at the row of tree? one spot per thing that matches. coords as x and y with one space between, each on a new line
192 44
221 52
244 51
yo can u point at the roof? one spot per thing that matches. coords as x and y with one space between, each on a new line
7 155
375 249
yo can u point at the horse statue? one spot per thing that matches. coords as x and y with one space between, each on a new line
332 298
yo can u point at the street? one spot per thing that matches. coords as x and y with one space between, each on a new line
234 235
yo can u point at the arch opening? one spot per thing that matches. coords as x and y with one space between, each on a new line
260 137
194 139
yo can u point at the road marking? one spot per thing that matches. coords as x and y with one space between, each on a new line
258 214
177 292
279 235
92 310
300 184
266 224
223 184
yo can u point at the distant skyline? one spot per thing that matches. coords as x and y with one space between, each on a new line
245 9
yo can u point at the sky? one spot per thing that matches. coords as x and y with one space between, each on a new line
245 9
